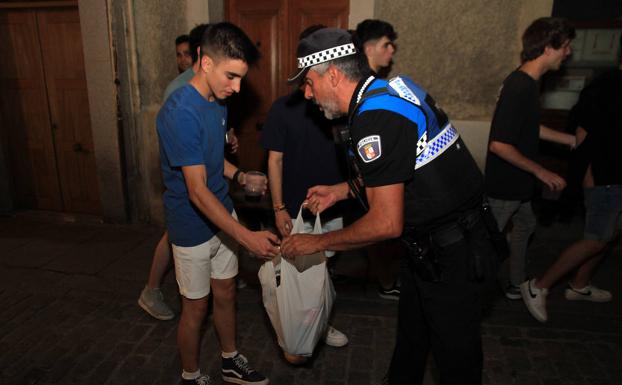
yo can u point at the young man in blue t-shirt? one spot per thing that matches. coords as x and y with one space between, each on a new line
201 223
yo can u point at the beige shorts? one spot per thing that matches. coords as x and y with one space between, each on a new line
196 266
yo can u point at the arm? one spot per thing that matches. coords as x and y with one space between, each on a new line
510 154
555 136
275 177
230 170
384 220
588 178
260 243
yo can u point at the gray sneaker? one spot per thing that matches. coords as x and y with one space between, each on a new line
152 301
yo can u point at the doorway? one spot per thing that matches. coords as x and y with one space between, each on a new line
45 125
274 26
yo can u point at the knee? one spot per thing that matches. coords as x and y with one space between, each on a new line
224 291
194 310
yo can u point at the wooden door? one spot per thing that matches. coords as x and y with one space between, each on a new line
44 111
63 63
274 26
25 124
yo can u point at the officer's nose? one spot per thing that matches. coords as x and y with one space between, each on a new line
308 92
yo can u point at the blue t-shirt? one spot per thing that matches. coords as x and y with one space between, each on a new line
191 132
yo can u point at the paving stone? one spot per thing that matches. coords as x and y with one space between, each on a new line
81 324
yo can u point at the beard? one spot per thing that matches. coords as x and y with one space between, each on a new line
330 109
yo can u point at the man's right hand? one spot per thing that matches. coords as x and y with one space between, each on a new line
553 181
319 198
283 222
264 244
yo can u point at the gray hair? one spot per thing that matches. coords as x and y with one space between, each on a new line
351 66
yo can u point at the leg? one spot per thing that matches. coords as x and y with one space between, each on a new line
151 298
189 332
412 343
224 312
161 262
583 251
453 310
585 272
524 223
192 271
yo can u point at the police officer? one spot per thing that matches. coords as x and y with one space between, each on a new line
421 185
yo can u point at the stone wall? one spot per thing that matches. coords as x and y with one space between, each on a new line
460 51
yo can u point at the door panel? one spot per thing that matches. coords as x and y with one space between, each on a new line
262 21
24 115
274 25
61 45
305 13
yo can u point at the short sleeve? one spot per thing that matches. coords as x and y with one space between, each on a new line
180 137
510 113
273 132
385 145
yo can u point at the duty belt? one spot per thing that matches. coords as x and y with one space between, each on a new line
426 152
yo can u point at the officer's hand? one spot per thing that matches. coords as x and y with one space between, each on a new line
300 244
319 198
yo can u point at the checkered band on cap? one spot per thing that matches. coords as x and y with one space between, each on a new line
326 55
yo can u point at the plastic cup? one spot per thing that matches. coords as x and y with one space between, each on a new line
255 185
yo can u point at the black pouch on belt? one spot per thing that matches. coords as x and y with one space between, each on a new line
421 258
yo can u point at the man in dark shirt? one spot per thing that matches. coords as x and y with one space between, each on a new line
511 167
599 136
302 153
421 185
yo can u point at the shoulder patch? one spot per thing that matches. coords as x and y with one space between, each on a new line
369 148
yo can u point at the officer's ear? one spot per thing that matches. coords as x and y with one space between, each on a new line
334 75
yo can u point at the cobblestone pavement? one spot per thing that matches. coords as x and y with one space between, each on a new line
68 315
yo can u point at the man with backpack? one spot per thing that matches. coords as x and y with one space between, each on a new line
422 185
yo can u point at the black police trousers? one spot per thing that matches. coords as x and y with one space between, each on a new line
443 315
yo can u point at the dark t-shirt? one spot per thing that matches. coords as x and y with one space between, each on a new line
600 113
436 193
516 121
298 129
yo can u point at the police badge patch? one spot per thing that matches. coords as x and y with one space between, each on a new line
369 148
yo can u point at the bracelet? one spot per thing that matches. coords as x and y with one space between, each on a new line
278 208
236 175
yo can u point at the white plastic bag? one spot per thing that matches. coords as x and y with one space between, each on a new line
300 305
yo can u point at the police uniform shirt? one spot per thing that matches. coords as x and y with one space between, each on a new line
385 147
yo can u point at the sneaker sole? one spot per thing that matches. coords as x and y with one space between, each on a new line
336 344
234 380
391 297
579 297
154 315
513 296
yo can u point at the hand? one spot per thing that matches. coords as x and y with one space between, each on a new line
232 141
300 244
263 244
319 198
283 222
553 181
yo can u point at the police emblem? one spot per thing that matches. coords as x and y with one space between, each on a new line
369 148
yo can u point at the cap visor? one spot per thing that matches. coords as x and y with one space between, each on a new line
298 77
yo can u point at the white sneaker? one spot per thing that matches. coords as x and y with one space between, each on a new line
335 338
535 299
588 293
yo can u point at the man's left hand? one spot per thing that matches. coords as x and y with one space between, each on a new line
299 244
